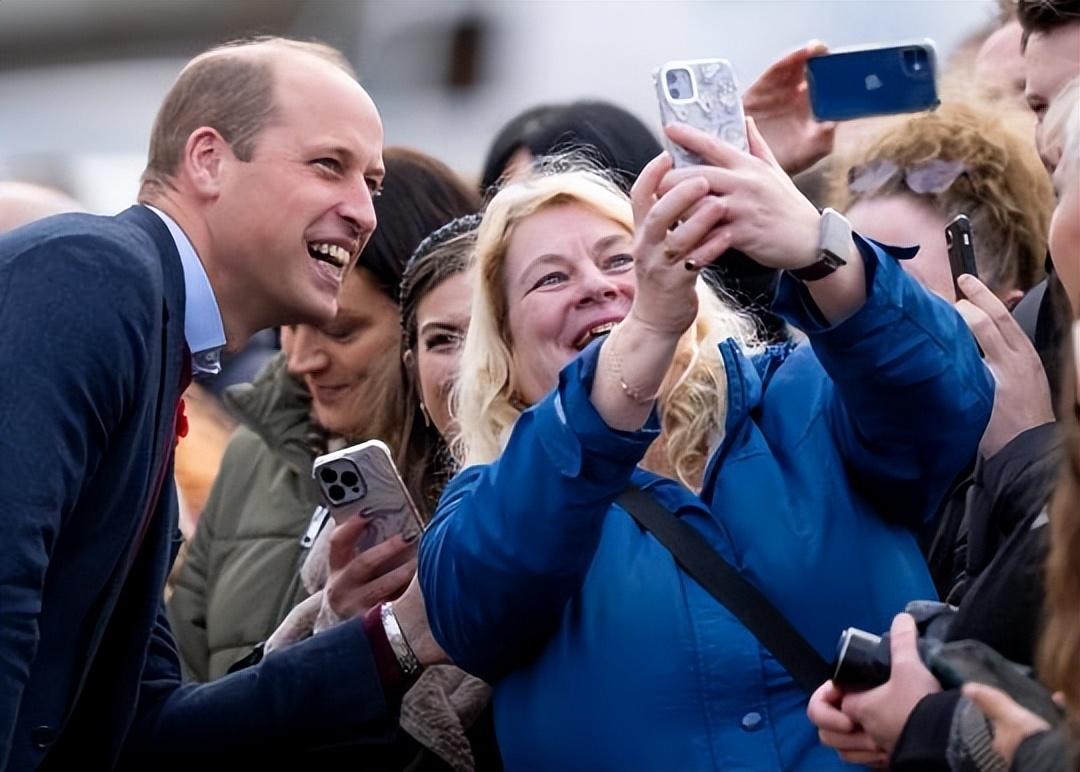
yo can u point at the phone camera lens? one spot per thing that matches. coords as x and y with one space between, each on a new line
336 492
327 475
679 84
349 479
916 60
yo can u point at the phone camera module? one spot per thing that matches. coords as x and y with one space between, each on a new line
335 492
328 475
680 85
916 60
349 479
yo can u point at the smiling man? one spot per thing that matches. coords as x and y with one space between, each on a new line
255 201
1051 45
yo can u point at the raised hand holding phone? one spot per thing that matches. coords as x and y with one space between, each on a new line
1021 394
779 103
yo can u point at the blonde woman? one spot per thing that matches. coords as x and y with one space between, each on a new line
806 468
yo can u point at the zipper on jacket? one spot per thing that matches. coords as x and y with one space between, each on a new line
318 520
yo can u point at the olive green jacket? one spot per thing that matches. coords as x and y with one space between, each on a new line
241 575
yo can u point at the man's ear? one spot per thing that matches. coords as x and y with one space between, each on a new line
206 158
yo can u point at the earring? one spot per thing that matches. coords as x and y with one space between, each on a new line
427 418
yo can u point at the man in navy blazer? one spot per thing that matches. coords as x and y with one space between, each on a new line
255 201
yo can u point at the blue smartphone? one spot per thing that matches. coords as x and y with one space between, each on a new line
878 80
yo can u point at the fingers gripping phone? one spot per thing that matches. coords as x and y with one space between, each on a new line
704 94
961 245
873 80
362 480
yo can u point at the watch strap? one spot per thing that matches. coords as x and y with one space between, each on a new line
834 239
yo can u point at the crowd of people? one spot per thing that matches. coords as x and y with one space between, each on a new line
671 431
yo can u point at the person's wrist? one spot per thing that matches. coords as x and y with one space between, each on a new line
399 644
643 325
393 679
804 248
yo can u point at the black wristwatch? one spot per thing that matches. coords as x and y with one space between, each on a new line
834 240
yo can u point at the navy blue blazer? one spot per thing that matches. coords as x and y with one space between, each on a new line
91 346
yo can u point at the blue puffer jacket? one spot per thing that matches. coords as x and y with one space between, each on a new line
604 654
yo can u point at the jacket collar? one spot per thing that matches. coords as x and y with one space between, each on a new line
277 407
747 378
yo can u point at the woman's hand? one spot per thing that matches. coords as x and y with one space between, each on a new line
779 103
839 732
1021 391
359 581
763 214
670 231
673 236
766 217
1012 722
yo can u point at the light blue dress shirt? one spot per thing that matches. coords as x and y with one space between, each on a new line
203 329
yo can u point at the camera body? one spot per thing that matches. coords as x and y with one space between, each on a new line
864 660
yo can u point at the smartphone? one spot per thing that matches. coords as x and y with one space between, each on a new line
873 80
362 480
961 244
704 94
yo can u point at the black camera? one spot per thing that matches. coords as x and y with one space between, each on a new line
863 660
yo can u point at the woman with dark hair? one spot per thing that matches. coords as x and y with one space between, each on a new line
612 137
344 383
435 309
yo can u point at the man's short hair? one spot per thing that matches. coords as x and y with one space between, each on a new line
1045 15
229 92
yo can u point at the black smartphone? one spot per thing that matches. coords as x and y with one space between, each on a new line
961 244
873 80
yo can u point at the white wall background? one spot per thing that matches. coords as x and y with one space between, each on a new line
86 126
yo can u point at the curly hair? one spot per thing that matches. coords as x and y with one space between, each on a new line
1005 191
692 398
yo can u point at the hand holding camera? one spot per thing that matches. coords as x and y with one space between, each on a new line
882 711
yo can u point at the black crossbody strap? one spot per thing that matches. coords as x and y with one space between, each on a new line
728 586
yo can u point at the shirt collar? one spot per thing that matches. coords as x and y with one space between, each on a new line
203 329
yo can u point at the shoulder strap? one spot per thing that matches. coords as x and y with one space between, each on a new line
728 586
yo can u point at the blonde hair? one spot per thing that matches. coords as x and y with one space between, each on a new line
693 397
1005 190
1061 128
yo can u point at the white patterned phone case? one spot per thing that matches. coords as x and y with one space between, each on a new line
704 94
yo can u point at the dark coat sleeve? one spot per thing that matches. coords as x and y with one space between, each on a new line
317 694
922 745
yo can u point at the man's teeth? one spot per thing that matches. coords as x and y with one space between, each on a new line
330 253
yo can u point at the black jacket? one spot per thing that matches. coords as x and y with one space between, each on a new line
1007 516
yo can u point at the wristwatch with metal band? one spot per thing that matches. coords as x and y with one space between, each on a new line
834 241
